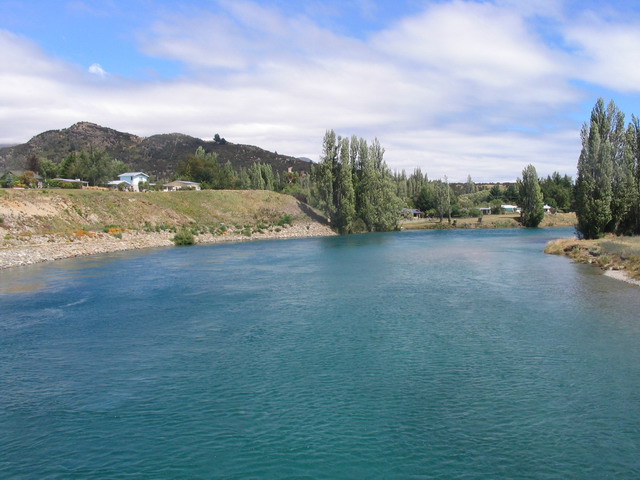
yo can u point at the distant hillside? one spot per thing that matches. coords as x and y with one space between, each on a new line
157 155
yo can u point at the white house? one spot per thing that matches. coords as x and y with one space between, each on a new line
115 184
133 179
510 208
547 208
73 181
180 185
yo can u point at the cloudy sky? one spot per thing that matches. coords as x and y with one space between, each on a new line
455 87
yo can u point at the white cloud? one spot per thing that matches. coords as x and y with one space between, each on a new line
607 53
461 88
96 69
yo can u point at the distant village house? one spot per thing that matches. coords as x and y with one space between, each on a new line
131 180
180 185
411 213
72 181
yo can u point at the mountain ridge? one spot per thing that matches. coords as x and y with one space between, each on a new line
158 155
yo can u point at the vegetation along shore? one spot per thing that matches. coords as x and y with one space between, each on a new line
619 257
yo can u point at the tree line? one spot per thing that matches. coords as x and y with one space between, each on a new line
352 184
608 182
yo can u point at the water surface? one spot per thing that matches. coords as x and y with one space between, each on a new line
453 354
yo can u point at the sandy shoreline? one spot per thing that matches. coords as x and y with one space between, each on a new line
622 276
34 249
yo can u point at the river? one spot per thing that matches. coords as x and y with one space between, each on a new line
423 354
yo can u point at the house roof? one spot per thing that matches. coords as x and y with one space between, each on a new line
70 180
178 183
132 174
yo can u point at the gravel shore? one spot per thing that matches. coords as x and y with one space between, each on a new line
31 249
621 275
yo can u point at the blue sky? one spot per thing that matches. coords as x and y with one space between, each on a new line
455 87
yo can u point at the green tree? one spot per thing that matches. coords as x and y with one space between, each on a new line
557 191
425 200
531 197
443 197
470 186
594 192
344 192
630 224
511 194
496 192
353 186
49 169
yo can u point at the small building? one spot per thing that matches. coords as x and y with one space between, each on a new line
120 185
180 185
134 179
73 181
547 208
510 208
485 210
411 213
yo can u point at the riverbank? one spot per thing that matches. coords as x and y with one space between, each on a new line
488 221
618 257
32 249
39 226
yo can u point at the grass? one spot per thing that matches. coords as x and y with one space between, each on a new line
489 221
60 211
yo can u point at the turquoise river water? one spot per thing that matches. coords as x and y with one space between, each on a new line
444 355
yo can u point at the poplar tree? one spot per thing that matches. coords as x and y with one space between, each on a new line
322 176
595 170
442 198
353 186
631 223
531 196
346 201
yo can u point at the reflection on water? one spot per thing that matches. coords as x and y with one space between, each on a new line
20 286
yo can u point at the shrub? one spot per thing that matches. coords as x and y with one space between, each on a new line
183 237
286 219
106 228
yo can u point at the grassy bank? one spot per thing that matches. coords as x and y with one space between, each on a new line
609 253
59 211
490 221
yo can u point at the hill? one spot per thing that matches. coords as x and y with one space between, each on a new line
157 155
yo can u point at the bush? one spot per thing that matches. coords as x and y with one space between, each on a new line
183 237
286 219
